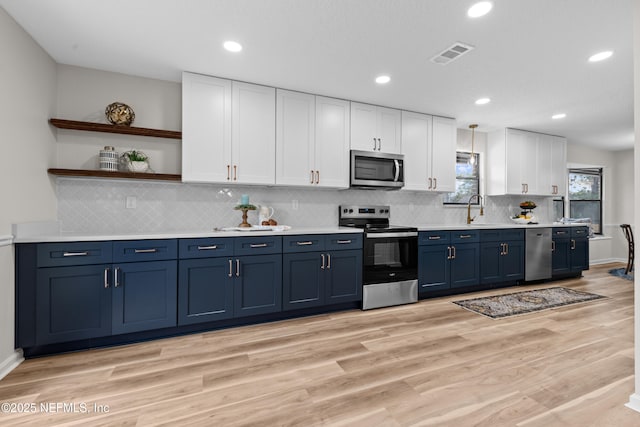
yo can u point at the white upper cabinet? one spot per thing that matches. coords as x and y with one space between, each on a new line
312 140
253 134
228 131
375 128
332 142
522 162
429 147
206 128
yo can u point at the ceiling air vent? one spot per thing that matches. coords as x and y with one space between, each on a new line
451 53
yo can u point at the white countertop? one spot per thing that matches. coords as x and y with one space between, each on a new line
49 232
56 236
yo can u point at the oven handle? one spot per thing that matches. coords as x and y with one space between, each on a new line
391 235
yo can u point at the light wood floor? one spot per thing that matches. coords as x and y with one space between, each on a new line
431 363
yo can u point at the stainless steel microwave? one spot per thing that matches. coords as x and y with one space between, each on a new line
376 170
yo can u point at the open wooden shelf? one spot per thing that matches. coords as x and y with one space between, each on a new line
121 129
86 173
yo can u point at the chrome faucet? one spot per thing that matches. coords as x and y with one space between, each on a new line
469 219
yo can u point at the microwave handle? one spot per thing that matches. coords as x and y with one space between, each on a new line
397 175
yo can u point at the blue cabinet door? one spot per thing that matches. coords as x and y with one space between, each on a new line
303 280
205 290
258 285
343 276
491 262
465 265
144 296
579 254
73 303
433 268
560 257
513 260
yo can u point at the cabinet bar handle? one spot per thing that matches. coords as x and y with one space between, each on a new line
374 144
434 237
317 177
207 248
230 268
146 251
435 183
75 254
258 245
506 249
430 184
448 252
304 243
237 267
561 232
553 246
228 172
501 248
311 182
106 278
453 250
573 244
235 172
343 242
116 279
465 236
322 266
379 144
329 261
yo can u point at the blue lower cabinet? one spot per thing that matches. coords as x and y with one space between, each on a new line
257 285
561 256
302 280
433 268
72 303
205 290
501 261
513 260
144 296
343 276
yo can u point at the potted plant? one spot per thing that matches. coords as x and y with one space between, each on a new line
136 160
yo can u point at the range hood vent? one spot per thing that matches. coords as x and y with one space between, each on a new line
452 53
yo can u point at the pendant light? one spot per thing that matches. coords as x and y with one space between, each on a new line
472 158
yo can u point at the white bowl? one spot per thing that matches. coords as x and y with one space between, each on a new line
524 220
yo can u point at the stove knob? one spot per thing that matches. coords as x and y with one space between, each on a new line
381 210
350 210
386 211
345 210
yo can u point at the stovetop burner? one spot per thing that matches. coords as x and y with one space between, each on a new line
373 219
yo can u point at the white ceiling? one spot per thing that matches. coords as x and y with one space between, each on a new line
530 56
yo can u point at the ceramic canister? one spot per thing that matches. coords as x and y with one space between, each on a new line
109 159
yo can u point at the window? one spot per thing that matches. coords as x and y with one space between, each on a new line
585 196
467 180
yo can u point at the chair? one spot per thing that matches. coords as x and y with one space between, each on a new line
628 233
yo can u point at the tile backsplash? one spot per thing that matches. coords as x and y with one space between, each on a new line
99 206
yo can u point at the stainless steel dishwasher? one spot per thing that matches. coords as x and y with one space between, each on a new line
537 264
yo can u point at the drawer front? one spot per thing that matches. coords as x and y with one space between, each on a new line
205 247
512 234
491 235
303 243
145 250
336 242
434 237
579 232
465 236
74 253
561 232
258 245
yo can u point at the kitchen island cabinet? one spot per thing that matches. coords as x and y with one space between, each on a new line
570 251
501 256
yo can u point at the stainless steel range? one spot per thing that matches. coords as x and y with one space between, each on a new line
390 272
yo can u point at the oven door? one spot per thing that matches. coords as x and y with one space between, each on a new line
390 257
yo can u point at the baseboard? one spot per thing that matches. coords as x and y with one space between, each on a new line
634 402
10 363
607 261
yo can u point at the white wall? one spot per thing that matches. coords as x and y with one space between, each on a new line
84 93
27 84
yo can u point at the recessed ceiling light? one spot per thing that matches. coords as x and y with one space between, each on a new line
558 116
479 9
383 79
232 46
601 56
483 101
